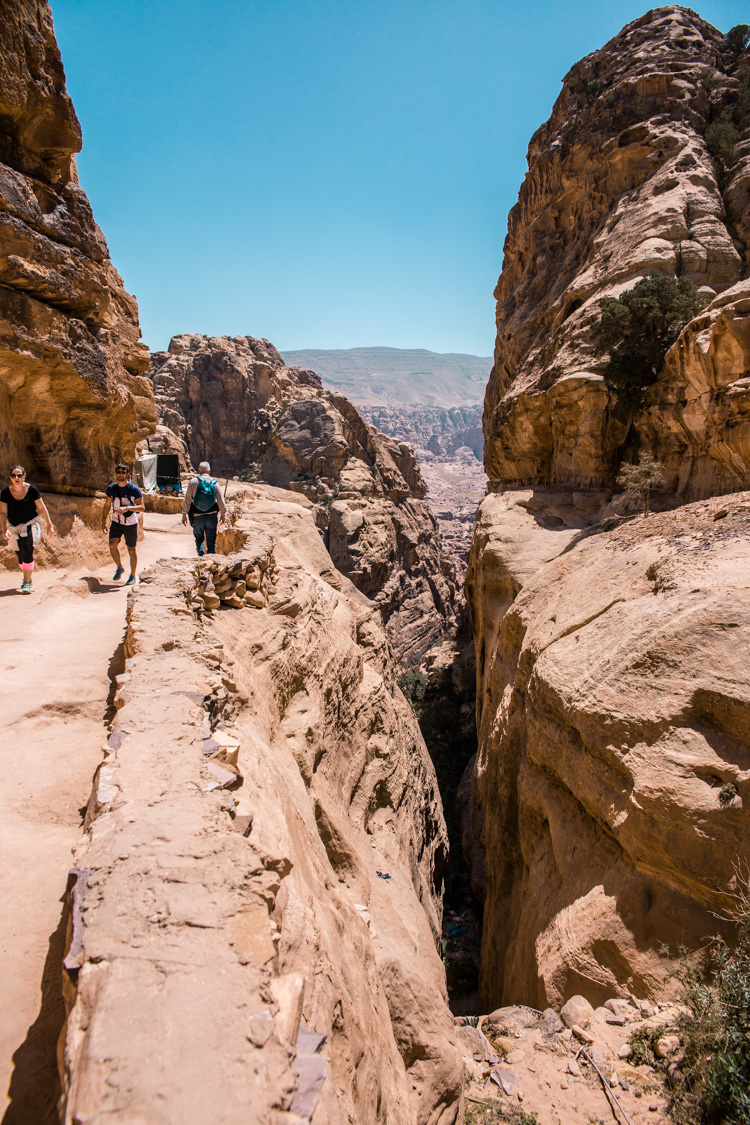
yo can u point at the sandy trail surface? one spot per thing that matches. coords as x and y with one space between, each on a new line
60 647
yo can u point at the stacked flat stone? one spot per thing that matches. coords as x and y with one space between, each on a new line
233 581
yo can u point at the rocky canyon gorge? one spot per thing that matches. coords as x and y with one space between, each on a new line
433 402
264 857
235 845
235 403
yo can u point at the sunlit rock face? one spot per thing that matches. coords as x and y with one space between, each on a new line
262 860
221 394
697 416
608 796
613 704
72 393
236 405
620 182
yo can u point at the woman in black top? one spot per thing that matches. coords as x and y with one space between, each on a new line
21 509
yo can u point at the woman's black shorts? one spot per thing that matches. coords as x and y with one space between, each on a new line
129 530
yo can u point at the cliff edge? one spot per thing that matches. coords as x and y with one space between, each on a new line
257 900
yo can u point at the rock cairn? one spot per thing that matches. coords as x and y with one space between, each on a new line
233 582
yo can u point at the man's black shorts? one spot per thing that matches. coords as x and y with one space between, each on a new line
129 530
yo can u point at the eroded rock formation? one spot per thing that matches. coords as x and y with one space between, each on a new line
236 405
221 395
438 430
620 182
609 794
72 393
257 902
697 417
613 713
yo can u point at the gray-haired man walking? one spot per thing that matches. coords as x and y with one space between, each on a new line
203 505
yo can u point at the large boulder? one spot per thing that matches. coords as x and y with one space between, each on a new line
611 780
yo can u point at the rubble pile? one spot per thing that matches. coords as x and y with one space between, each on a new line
580 1064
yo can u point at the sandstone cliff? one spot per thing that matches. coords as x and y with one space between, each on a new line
608 795
620 182
72 393
257 900
236 405
613 701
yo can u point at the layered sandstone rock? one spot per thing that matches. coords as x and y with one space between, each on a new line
612 778
448 445
221 396
438 430
257 903
237 406
72 393
697 418
607 803
620 182
456 486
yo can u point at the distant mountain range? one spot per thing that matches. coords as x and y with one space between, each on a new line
397 377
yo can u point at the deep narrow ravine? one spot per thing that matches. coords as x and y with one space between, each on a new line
443 700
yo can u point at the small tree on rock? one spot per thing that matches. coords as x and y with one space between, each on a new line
639 481
637 329
737 38
722 138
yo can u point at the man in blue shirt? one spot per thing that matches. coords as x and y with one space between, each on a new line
125 501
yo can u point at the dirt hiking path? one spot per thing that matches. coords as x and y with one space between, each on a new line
59 649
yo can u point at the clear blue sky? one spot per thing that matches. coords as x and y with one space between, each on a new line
325 173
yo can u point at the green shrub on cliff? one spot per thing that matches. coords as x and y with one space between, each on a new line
637 329
722 137
414 686
723 134
639 481
712 1083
